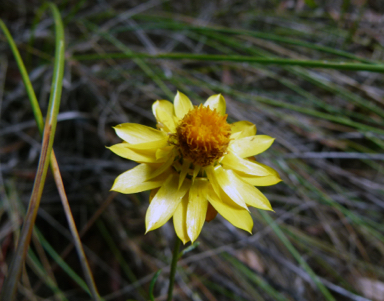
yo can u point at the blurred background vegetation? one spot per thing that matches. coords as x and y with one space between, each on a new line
328 125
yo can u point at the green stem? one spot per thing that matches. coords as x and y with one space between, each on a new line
172 274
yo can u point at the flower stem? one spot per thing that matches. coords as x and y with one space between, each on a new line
172 274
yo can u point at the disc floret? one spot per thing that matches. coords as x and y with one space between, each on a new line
203 135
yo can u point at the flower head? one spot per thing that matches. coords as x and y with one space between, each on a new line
195 164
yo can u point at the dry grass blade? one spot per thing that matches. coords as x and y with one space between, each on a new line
17 264
10 285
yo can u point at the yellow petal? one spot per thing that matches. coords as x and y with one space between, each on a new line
136 133
251 145
180 220
244 191
232 161
165 202
246 128
165 152
209 170
197 207
235 136
220 177
138 155
196 171
164 112
182 105
140 178
184 171
260 181
241 192
216 102
236 215
164 166
150 145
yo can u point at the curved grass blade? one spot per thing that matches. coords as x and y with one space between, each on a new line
253 277
10 288
297 256
152 285
66 268
25 78
39 270
189 249
117 254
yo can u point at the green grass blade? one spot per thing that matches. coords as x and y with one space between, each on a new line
255 278
237 58
66 268
24 75
261 35
116 251
152 285
297 255
37 267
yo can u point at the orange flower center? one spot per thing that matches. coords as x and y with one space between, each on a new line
203 135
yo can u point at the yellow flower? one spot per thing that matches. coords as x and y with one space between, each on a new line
196 165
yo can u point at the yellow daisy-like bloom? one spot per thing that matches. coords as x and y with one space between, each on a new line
195 164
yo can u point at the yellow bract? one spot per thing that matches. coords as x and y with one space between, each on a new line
196 165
